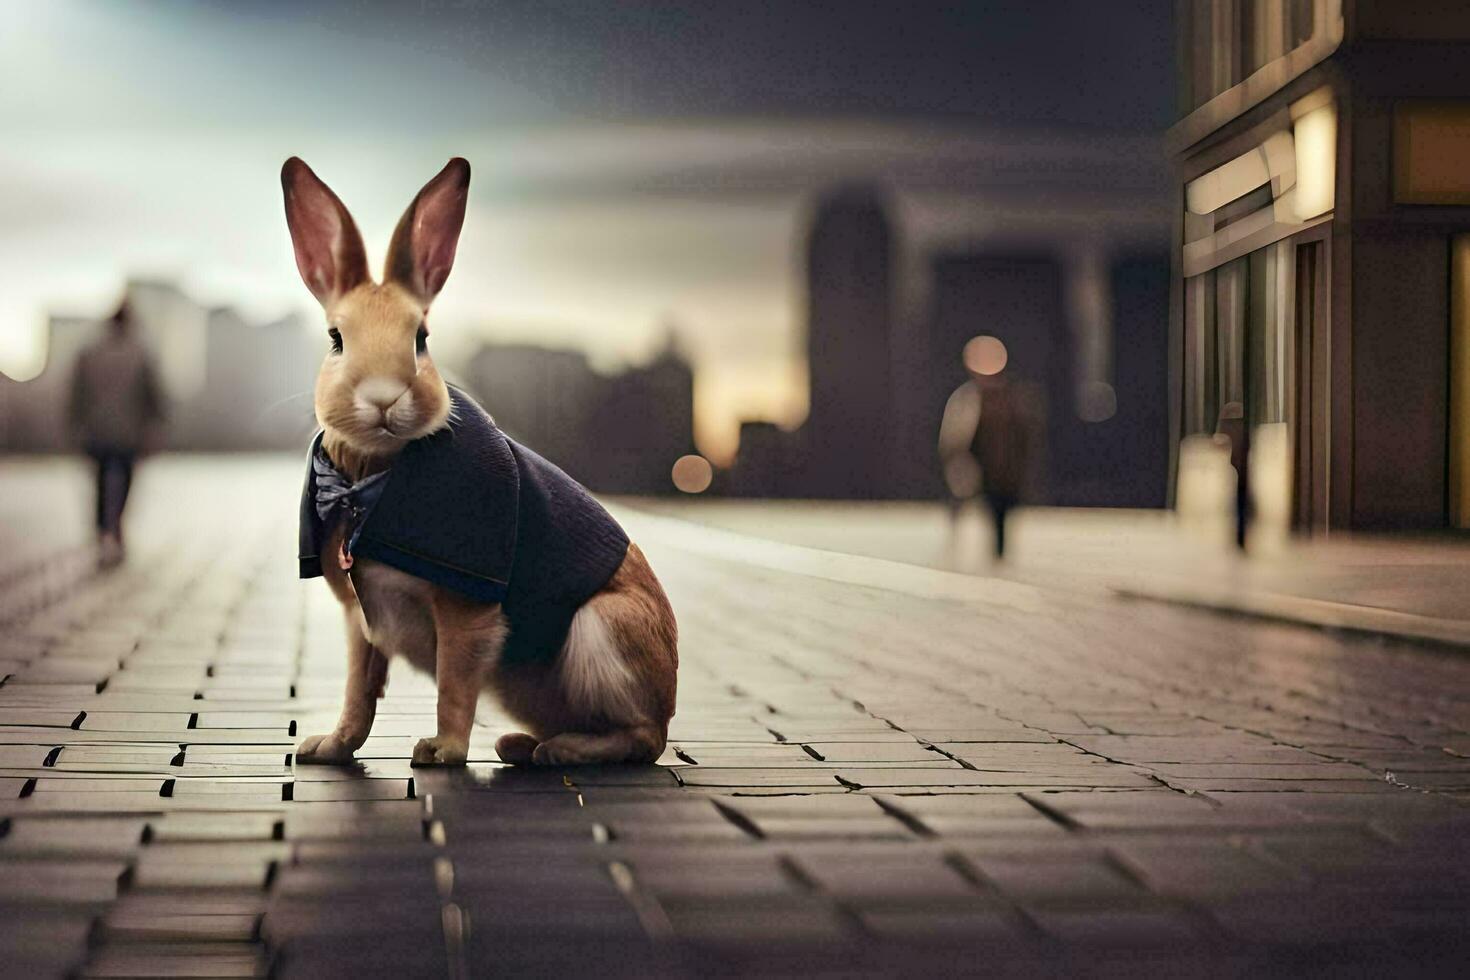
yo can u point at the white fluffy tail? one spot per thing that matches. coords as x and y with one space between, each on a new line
595 674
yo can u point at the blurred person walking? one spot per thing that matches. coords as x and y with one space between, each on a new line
1233 427
116 411
986 438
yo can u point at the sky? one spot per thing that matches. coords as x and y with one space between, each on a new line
635 165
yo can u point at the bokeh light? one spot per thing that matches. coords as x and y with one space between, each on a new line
692 473
985 355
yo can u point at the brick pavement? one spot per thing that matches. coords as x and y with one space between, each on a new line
1407 586
875 769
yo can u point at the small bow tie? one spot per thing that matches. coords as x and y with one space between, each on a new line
335 494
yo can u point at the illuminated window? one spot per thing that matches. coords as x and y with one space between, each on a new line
1431 153
1316 161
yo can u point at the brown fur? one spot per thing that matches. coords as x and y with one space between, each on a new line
388 612
638 613
378 325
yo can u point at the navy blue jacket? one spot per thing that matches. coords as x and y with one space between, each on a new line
469 509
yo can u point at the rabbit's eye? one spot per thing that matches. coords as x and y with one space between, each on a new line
421 342
336 336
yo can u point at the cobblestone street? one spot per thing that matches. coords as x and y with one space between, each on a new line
876 768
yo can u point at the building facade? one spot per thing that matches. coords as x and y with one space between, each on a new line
850 313
1322 251
617 433
1074 283
229 384
1105 422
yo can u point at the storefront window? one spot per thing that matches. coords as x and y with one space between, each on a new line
1238 339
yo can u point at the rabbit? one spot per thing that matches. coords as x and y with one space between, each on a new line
603 694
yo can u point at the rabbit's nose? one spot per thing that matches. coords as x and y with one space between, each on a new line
380 392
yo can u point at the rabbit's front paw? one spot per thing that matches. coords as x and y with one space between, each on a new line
323 749
440 751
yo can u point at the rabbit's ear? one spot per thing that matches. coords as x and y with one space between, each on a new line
329 251
422 251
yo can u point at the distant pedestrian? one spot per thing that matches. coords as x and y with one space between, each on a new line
115 409
987 437
1232 426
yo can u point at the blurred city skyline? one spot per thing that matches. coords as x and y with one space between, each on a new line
630 172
